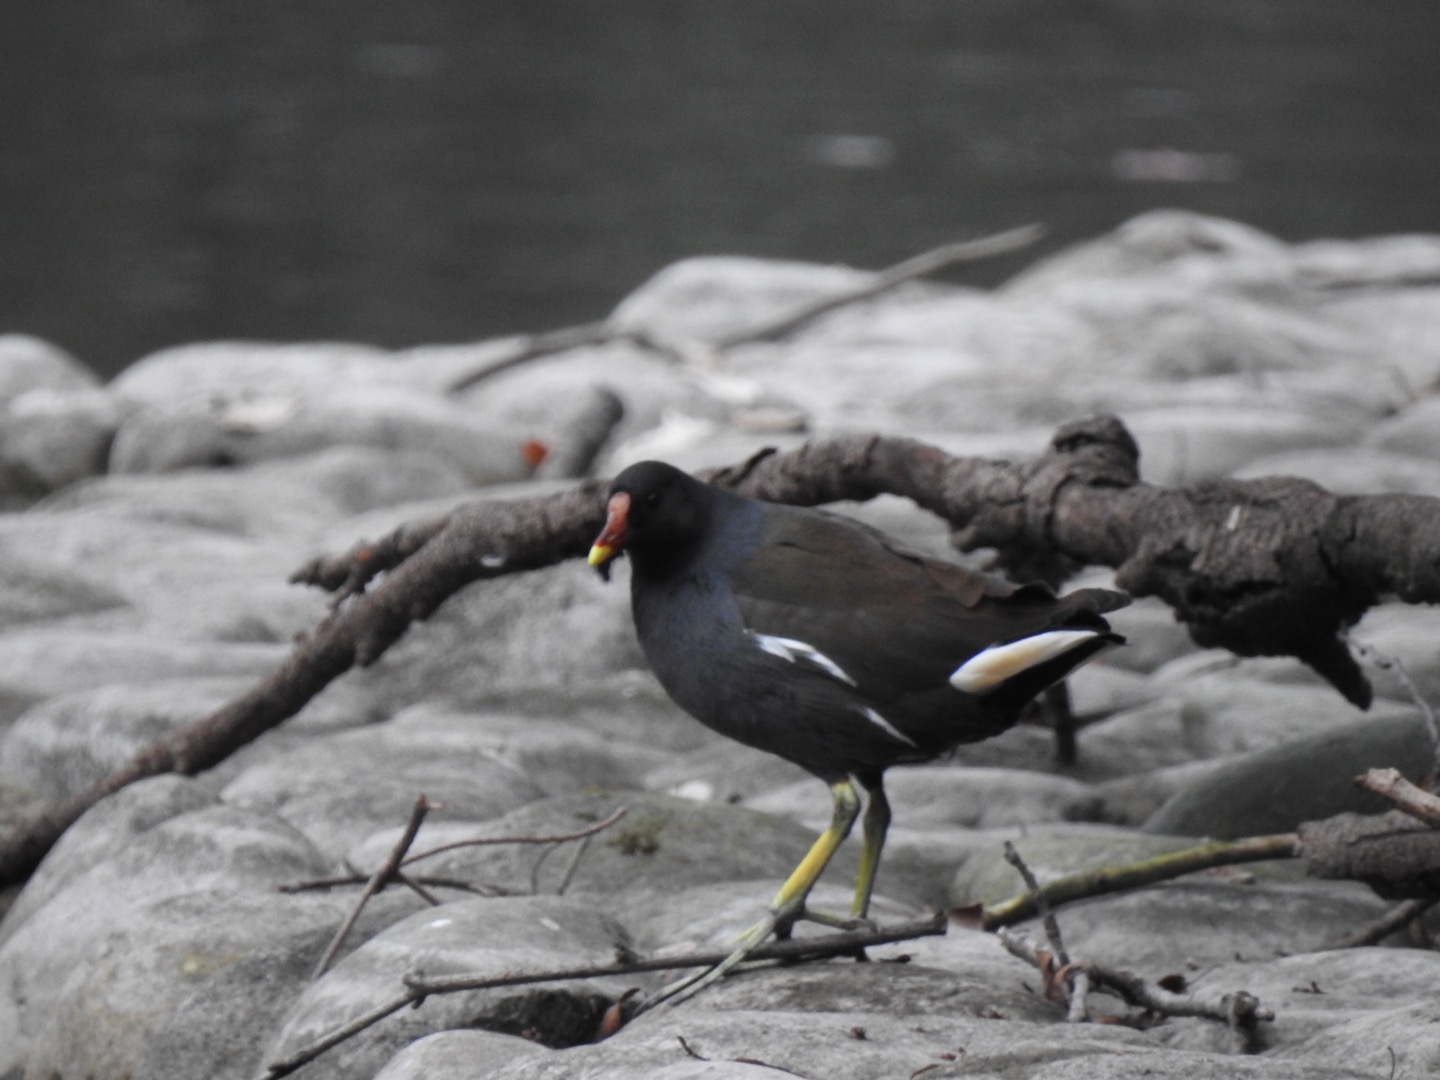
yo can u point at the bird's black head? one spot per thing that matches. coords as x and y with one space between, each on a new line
653 509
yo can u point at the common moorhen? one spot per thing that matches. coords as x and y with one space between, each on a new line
817 638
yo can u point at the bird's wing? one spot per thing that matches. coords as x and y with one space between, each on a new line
891 620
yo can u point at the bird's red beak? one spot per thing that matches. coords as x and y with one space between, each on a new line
611 540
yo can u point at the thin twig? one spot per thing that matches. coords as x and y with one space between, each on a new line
927 262
481 841
1414 800
1057 969
1108 879
1396 667
1042 903
822 946
414 882
378 880
335 1038
1239 1010
588 335
569 876
419 987
1398 917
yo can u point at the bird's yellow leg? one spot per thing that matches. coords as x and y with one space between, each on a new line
791 897
789 902
874 827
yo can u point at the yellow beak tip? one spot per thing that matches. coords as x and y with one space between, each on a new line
600 554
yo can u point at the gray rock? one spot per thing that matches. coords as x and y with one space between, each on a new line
1351 470
30 363
119 933
1198 922
483 937
458 1054
179 435
1159 240
1153 636
822 1045
953 795
41 662
101 833
32 590
1415 431
1305 779
709 917
1315 992
727 772
1405 1039
64 744
558 755
1132 799
247 370
1398 325
1228 714
708 298
1140 740
187 986
1403 634
1162 1065
338 789
894 989
662 846
650 386
1183 444
51 438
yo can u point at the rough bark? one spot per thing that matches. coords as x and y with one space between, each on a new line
1393 853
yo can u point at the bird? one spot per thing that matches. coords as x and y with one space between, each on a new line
813 636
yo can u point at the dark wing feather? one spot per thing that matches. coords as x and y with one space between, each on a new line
895 621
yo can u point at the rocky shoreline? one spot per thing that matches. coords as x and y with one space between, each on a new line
150 526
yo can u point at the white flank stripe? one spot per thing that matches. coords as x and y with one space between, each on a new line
986 670
794 651
887 727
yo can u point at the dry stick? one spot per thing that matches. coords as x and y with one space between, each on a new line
1396 667
1414 800
1075 980
535 346
417 884
927 262
481 841
418 987
1397 918
383 873
1240 1010
1109 879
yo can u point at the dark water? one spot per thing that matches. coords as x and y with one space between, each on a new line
441 170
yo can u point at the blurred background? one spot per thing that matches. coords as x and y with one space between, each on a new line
444 170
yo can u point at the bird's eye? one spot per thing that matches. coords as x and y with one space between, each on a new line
652 499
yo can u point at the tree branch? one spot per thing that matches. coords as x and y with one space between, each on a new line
1414 800
1274 566
1103 880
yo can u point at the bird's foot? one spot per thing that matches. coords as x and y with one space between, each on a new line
777 923
838 922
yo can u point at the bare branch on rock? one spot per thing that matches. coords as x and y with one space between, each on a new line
1102 880
419 987
1238 1010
